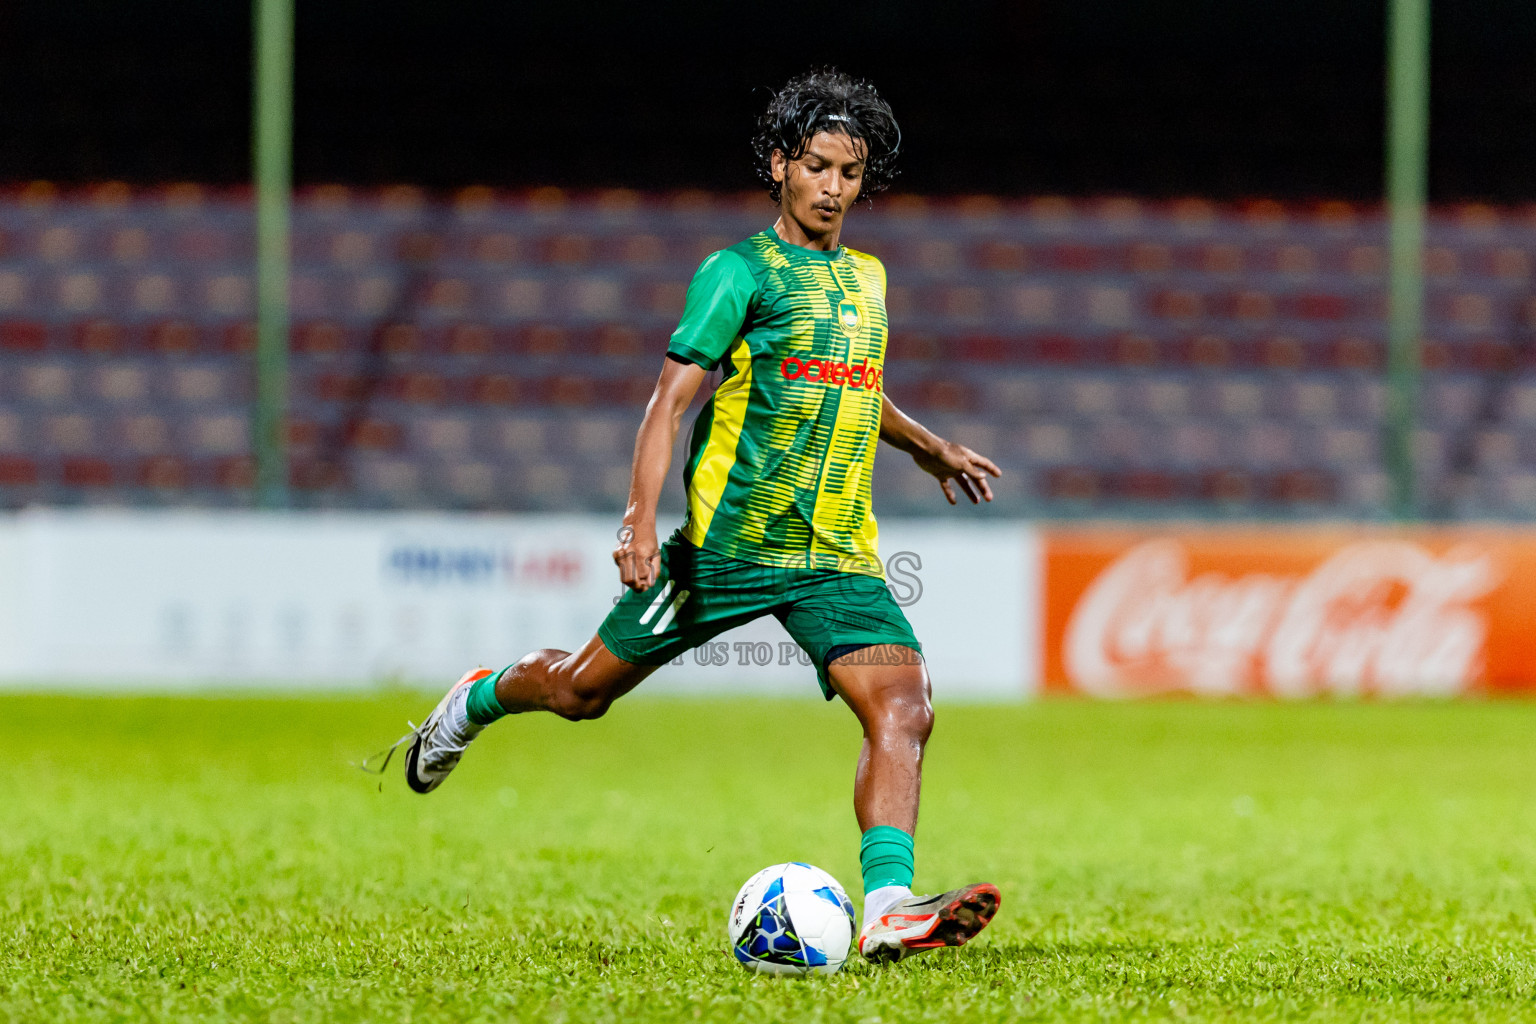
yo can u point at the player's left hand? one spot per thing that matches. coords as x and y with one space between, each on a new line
956 464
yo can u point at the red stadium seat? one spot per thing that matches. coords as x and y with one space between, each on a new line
174 338
400 341
568 249
1136 350
1302 487
419 388
947 396
1319 306
17 471
1492 355
314 475
1147 485
993 254
496 389
235 474
419 247
621 341
164 472
567 389
86 472
500 248
1355 353
545 340
100 337
375 434
470 340
1227 486
321 338
1059 349
342 387
304 435
1180 304
624 392
1073 483
238 338
912 346
23 336
1281 352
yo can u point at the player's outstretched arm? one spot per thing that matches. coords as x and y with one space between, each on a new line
637 552
951 463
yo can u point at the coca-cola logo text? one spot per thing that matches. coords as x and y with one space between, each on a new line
1388 617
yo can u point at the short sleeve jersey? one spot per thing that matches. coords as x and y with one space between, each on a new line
780 457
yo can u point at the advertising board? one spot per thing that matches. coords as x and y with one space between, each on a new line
1289 612
113 599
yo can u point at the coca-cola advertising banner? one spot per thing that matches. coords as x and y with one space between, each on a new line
1289 612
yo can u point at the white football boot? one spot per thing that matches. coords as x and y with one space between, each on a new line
439 742
921 923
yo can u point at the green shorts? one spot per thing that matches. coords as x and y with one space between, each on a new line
700 594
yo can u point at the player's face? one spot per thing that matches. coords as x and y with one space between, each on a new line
822 184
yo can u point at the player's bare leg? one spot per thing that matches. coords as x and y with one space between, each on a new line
887 687
575 686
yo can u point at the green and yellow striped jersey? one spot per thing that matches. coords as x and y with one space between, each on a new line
780 457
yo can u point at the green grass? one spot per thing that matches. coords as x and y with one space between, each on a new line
179 859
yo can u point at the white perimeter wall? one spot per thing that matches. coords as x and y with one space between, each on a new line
153 600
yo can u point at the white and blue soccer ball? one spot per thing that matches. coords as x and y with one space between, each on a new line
791 919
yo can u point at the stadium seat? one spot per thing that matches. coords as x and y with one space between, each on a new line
47 383
145 434
445 436
18 471
87 472
23 336
472 482
226 434
174 338
1073 484
121 382
522 437
202 384
100 336
163 473
1223 349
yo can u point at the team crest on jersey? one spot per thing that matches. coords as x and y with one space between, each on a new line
848 316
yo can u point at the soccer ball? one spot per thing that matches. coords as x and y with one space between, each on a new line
791 919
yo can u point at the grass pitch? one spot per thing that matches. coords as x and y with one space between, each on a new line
180 859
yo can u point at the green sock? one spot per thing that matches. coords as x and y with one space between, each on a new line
482 706
885 856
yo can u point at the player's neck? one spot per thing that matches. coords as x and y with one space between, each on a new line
789 230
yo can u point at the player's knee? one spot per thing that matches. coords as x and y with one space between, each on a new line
908 711
584 709
917 719
584 703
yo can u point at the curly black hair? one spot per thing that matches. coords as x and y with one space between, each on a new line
826 100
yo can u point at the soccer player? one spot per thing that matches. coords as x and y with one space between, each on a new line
778 484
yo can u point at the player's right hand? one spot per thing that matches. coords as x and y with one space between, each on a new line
638 556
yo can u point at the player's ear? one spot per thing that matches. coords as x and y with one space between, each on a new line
777 165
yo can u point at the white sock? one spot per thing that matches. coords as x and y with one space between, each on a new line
457 714
878 901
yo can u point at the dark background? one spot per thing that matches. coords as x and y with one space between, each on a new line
1267 97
